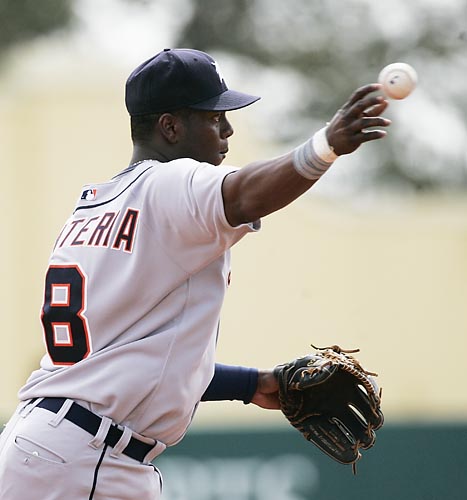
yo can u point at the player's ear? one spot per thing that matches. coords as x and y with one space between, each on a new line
171 126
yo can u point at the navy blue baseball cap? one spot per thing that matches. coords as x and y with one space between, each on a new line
180 78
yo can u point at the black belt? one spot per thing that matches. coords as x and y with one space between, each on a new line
91 422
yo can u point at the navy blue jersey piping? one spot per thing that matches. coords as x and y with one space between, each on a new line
115 197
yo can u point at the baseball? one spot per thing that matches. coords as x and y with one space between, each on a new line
398 80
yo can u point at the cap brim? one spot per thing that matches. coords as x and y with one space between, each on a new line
227 101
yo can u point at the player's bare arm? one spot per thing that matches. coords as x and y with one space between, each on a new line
263 187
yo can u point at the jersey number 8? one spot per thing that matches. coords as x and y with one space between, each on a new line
65 326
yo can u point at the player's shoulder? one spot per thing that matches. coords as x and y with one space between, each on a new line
188 169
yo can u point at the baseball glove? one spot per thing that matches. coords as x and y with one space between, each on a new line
333 401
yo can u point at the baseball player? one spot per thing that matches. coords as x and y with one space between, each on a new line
136 280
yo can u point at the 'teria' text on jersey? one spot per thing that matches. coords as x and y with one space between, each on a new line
97 231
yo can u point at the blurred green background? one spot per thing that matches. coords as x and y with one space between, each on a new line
374 256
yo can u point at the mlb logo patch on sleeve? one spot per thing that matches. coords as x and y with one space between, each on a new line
89 194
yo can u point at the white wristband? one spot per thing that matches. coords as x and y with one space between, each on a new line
313 158
322 147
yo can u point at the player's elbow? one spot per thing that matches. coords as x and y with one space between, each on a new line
242 213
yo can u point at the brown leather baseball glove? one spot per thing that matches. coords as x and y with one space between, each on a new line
333 401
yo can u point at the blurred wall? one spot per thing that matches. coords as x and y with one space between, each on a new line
389 277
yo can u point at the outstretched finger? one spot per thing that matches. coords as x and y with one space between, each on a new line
376 110
370 135
365 104
361 92
370 121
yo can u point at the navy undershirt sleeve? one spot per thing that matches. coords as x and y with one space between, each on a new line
232 383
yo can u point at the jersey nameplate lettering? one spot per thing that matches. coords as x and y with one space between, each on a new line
107 230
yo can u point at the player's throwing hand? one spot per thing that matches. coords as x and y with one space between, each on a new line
350 126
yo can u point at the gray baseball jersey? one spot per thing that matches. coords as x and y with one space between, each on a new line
133 294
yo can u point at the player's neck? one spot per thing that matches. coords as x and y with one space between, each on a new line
141 152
